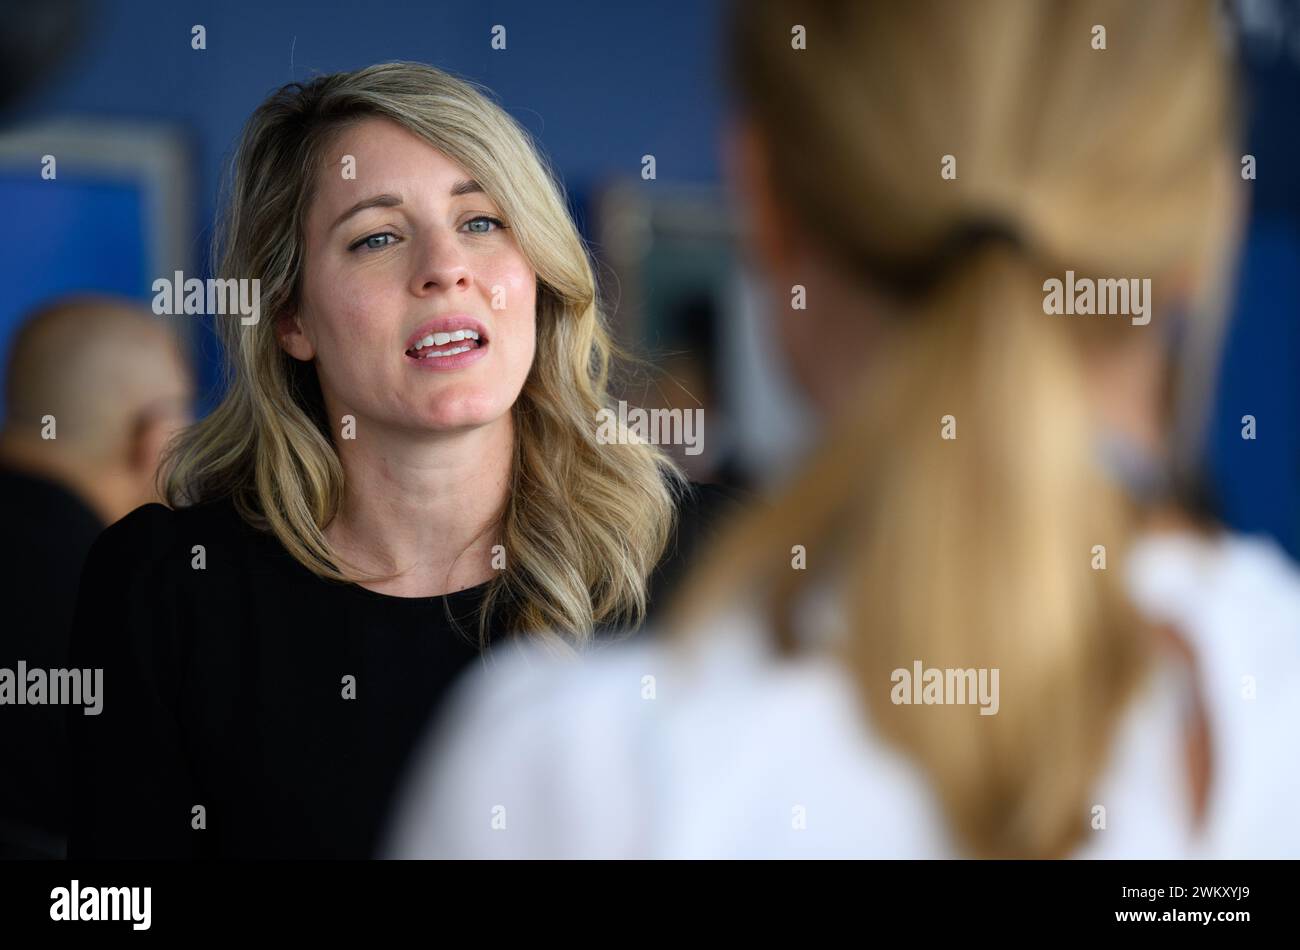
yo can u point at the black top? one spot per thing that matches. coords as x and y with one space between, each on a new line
47 531
226 688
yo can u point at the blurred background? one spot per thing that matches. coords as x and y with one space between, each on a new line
142 125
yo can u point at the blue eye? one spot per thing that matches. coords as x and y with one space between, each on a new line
374 242
484 219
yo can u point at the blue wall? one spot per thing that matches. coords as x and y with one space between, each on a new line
599 86
602 83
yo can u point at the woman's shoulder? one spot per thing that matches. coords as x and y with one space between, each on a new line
154 537
154 583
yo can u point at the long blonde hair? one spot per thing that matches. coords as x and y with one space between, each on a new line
978 552
584 523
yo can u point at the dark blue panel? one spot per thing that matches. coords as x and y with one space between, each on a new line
1258 481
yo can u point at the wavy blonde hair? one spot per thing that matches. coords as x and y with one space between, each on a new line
976 552
584 523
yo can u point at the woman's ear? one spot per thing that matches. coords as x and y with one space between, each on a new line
291 337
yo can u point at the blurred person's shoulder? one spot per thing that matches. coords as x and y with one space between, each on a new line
650 749
41 511
1234 601
502 757
48 531
1227 593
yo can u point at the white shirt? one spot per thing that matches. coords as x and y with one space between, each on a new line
635 752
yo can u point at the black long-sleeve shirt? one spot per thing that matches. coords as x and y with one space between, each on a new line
229 726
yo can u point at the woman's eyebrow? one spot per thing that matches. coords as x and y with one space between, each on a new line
376 201
466 186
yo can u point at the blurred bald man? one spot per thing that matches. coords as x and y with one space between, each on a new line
94 389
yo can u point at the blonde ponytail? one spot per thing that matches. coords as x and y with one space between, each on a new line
968 552
977 551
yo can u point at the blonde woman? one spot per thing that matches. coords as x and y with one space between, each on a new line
405 469
978 622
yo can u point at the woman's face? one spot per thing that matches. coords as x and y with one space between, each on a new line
406 250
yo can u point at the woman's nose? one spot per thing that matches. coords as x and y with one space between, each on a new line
442 266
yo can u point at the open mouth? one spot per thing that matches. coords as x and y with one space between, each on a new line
436 346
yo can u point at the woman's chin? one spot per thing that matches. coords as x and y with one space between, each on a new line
452 418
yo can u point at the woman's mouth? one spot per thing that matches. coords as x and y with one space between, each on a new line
437 346
448 350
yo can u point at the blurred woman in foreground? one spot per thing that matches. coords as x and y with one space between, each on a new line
996 492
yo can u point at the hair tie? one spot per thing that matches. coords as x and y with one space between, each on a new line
916 277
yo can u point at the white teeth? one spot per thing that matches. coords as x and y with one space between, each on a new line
438 354
442 339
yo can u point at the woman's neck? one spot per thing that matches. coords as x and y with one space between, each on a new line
425 509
